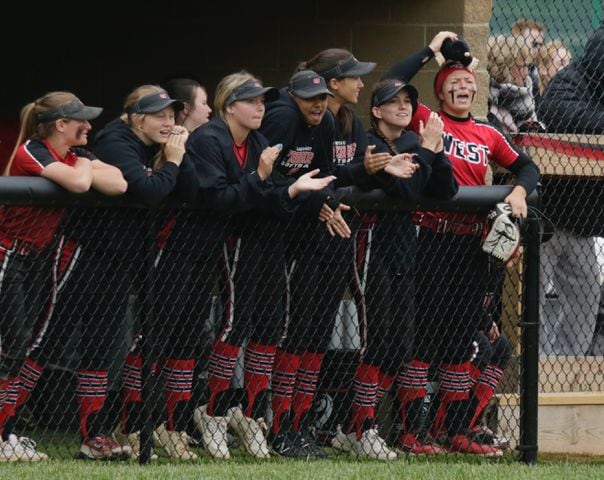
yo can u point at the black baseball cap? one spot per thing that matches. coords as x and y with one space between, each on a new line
308 84
75 110
350 67
389 88
251 89
155 102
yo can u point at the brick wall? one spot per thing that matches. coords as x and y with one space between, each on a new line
104 56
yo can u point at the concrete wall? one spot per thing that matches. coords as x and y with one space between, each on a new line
102 56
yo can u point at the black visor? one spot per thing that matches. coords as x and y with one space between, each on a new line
75 110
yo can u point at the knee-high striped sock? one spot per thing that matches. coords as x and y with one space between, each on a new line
283 384
259 361
385 382
484 389
454 392
220 370
307 380
30 374
365 387
411 390
178 385
91 392
132 381
9 391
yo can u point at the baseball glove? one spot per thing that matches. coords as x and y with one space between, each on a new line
503 236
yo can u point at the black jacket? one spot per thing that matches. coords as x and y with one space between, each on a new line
434 177
305 148
573 102
225 185
118 145
349 154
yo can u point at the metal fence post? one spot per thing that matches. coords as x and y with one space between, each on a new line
146 345
529 383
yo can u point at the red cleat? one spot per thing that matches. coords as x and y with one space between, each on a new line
463 444
411 445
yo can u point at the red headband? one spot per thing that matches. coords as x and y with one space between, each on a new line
446 70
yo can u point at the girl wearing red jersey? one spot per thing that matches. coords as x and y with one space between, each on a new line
53 130
452 265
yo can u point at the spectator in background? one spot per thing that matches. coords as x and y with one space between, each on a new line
551 58
530 33
597 346
573 102
511 100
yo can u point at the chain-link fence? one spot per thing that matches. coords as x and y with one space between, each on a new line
178 332
205 335
546 92
546 68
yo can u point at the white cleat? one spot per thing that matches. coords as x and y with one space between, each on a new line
249 432
371 445
20 449
344 442
176 444
213 432
131 440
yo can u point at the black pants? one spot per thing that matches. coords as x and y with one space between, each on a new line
320 269
451 282
24 293
254 277
389 293
186 263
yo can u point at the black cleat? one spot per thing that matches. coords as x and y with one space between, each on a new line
307 441
286 444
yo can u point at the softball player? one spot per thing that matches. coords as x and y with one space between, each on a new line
386 247
359 165
451 262
182 263
235 163
299 120
148 148
53 130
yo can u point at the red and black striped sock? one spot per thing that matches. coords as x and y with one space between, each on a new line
220 370
91 392
30 374
411 390
131 393
307 380
484 389
283 384
9 392
259 360
365 386
178 386
454 392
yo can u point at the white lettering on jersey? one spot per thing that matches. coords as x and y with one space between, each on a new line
343 153
300 158
467 151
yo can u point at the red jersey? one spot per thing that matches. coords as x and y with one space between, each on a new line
33 224
470 146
